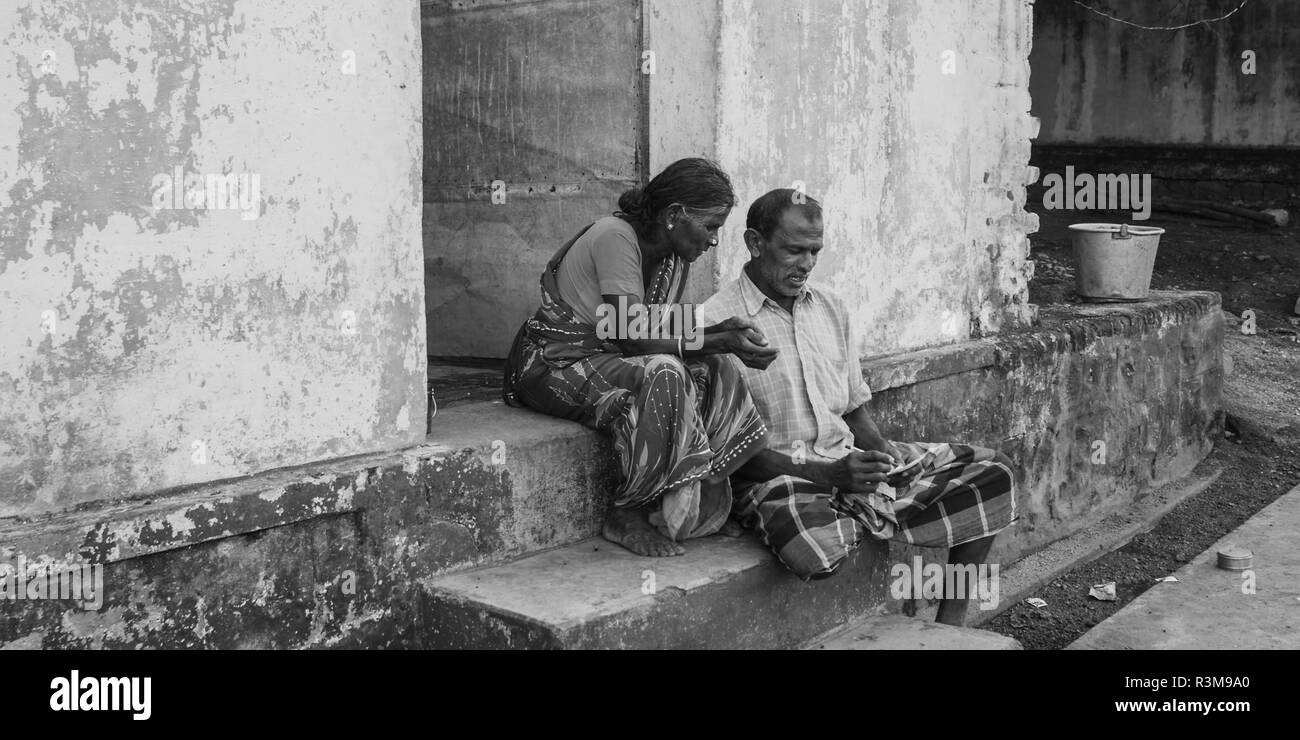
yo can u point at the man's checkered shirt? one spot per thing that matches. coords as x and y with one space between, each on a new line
814 380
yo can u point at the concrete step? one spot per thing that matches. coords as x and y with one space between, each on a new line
490 483
897 632
724 593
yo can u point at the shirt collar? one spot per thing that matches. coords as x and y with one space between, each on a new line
754 300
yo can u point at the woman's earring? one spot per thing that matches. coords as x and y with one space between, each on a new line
670 227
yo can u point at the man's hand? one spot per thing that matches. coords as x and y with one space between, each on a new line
892 450
859 472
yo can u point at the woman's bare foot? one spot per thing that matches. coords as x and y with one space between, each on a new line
731 528
630 528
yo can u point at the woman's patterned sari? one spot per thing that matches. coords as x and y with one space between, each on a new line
675 425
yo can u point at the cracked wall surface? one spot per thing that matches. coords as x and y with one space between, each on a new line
152 340
921 167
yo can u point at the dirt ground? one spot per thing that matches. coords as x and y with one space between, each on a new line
1254 268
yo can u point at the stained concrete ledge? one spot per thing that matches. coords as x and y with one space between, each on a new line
513 481
723 593
329 554
910 368
894 632
1209 608
1077 326
1098 404
1062 326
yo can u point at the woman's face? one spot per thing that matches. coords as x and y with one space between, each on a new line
696 232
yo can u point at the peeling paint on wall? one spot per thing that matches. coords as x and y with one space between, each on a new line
145 347
922 172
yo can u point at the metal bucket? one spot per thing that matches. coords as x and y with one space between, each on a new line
1114 261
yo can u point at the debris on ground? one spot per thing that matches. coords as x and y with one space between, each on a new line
1036 602
1280 216
1233 557
1103 591
1223 212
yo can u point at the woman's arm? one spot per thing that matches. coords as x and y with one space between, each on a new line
734 336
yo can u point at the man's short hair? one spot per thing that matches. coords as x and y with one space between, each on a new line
765 212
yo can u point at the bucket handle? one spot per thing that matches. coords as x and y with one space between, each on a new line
1122 233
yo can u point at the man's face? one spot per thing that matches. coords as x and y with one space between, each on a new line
785 259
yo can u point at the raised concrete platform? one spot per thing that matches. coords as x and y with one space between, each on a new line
1096 405
724 593
1209 608
338 552
895 632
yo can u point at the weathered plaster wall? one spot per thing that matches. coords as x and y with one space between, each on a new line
922 173
144 347
1098 81
682 101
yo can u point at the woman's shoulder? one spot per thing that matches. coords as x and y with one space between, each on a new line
612 226
610 234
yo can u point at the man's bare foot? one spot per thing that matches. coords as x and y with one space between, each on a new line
731 528
629 528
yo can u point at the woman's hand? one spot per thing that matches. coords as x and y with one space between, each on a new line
753 355
745 326
745 340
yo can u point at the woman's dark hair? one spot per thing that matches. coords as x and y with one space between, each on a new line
696 183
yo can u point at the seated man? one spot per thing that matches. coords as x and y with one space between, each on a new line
816 490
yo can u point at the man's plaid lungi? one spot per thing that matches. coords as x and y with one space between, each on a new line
958 493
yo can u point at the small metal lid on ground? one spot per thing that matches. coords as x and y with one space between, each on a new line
1235 558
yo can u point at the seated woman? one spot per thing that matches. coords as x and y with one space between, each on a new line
680 417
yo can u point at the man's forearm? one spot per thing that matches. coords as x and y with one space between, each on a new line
865 433
769 464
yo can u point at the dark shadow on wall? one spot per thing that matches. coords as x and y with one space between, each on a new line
544 99
1210 111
